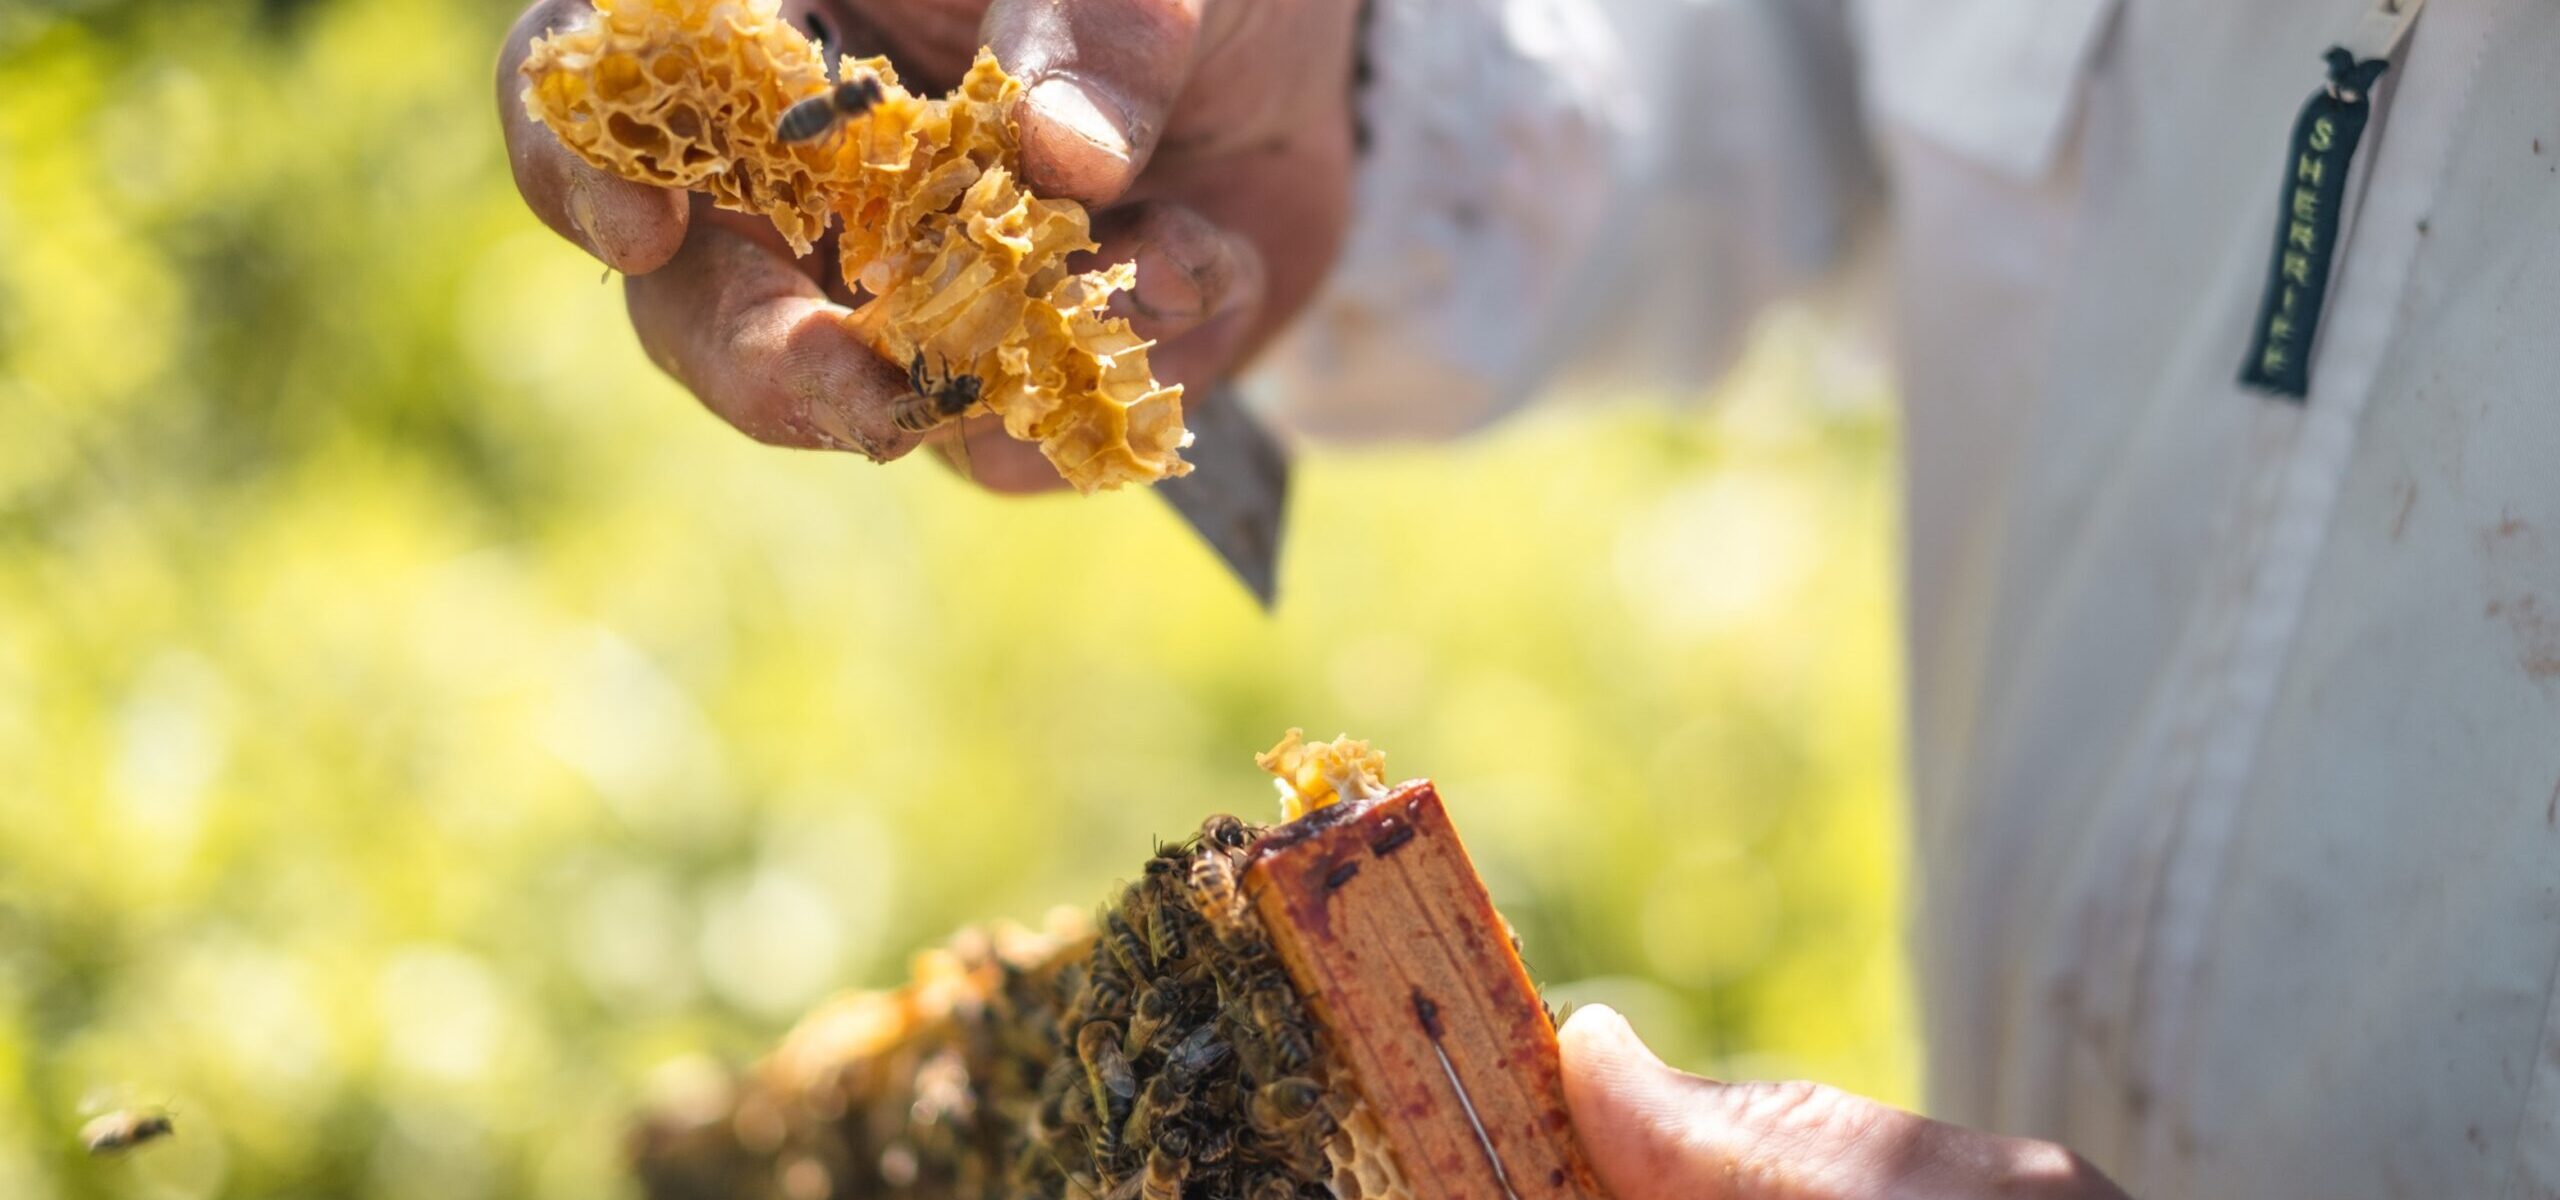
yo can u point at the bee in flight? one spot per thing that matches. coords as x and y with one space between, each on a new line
124 1129
820 114
928 404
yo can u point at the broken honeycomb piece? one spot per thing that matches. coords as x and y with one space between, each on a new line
957 262
1312 775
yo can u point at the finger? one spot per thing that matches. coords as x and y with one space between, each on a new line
932 41
1293 205
1198 290
1190 271
1102 75
995 461
735 319
630 227
1654 1133
1633 1113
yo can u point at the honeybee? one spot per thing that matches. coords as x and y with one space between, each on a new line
1164 1175
1107 1069
1214 1147
1155 1006
821 114
1161 1101
1226 832
1212 884
1284 1105
1164 933
1273 1187
122 1130
929 404
1106 989
1139 900
1194 1056
1125 946
1290 1116
1275 1013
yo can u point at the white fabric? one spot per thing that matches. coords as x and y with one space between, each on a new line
2235 724
1487 114
1991 78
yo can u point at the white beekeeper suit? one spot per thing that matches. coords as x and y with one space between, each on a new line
2235 722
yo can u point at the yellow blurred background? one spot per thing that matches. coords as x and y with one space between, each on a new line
419 721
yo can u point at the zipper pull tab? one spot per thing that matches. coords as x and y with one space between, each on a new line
2308 220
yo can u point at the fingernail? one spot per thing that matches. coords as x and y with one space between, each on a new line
582 213
1173 285
1168 295
837 429
1075 108
1093 151
1607 1022
1610 1028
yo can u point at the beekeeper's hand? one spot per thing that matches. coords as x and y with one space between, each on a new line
1654 1133
1211 139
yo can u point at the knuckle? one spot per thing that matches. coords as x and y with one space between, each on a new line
1790 1105
1810 1137
1166 20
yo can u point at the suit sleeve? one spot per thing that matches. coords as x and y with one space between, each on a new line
1601 193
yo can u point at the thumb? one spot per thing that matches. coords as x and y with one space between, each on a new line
1655 1134
1645 1125
1103 75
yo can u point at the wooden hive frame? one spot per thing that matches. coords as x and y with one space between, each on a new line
1419 991
1395 946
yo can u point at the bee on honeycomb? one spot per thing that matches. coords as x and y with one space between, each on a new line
955 261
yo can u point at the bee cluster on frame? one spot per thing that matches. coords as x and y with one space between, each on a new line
1154 1051
1288 1012
1195 1066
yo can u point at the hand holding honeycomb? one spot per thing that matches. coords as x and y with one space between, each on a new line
1210 140
963 271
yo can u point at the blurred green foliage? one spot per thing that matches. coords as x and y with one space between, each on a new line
418 721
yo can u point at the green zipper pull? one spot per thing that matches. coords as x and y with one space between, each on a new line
2307 224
